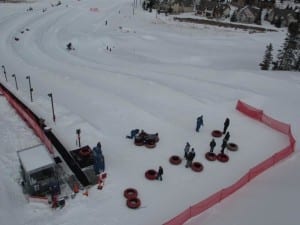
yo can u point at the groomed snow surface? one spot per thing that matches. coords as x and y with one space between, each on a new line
159 76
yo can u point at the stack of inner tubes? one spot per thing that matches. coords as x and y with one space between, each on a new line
132 202
149 140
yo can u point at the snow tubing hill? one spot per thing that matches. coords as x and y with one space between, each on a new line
212 200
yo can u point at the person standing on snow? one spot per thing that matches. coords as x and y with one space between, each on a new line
160 173
226 125
190 158
223 146
186 149
227 136
212 145
98 159
199 123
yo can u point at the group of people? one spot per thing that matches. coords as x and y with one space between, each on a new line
133 134
212 143
227 135
189 155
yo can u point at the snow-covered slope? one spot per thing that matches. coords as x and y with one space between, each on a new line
159 76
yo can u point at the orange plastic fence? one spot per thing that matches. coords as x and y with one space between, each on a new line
31 122
256 114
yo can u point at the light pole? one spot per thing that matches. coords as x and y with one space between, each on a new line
78 131
14 76
53 115
4 71
30 88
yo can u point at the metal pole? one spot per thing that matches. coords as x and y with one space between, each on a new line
53 115
4 71
78 131
30 88
14 75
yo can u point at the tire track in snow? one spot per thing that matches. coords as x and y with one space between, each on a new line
158 81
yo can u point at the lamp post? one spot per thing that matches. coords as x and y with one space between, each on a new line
4 71
53 115
14 76
30 88
78 131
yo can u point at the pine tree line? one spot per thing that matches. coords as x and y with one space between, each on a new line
288 57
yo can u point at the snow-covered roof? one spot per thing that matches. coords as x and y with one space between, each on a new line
35 158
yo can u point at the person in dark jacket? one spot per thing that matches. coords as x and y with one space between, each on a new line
227 136
190 157
186 149
199 123
226 125
69 46
212 145
223 146
160 173
133 133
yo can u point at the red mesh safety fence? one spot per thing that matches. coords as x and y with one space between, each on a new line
29 119
249 110
181 218
256 114
275 124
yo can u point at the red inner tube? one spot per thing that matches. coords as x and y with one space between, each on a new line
197 167
85 152
139 141
216 133
210 156
151 174
150 145
130 193
223 158
175 160
133 203
232 146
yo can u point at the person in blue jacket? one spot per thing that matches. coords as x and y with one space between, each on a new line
133 133
199 123
99 164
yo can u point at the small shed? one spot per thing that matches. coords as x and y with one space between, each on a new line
38 170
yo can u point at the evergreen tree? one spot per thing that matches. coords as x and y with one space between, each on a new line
258 18
233 17
285 55
288 56
297 64
265 65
